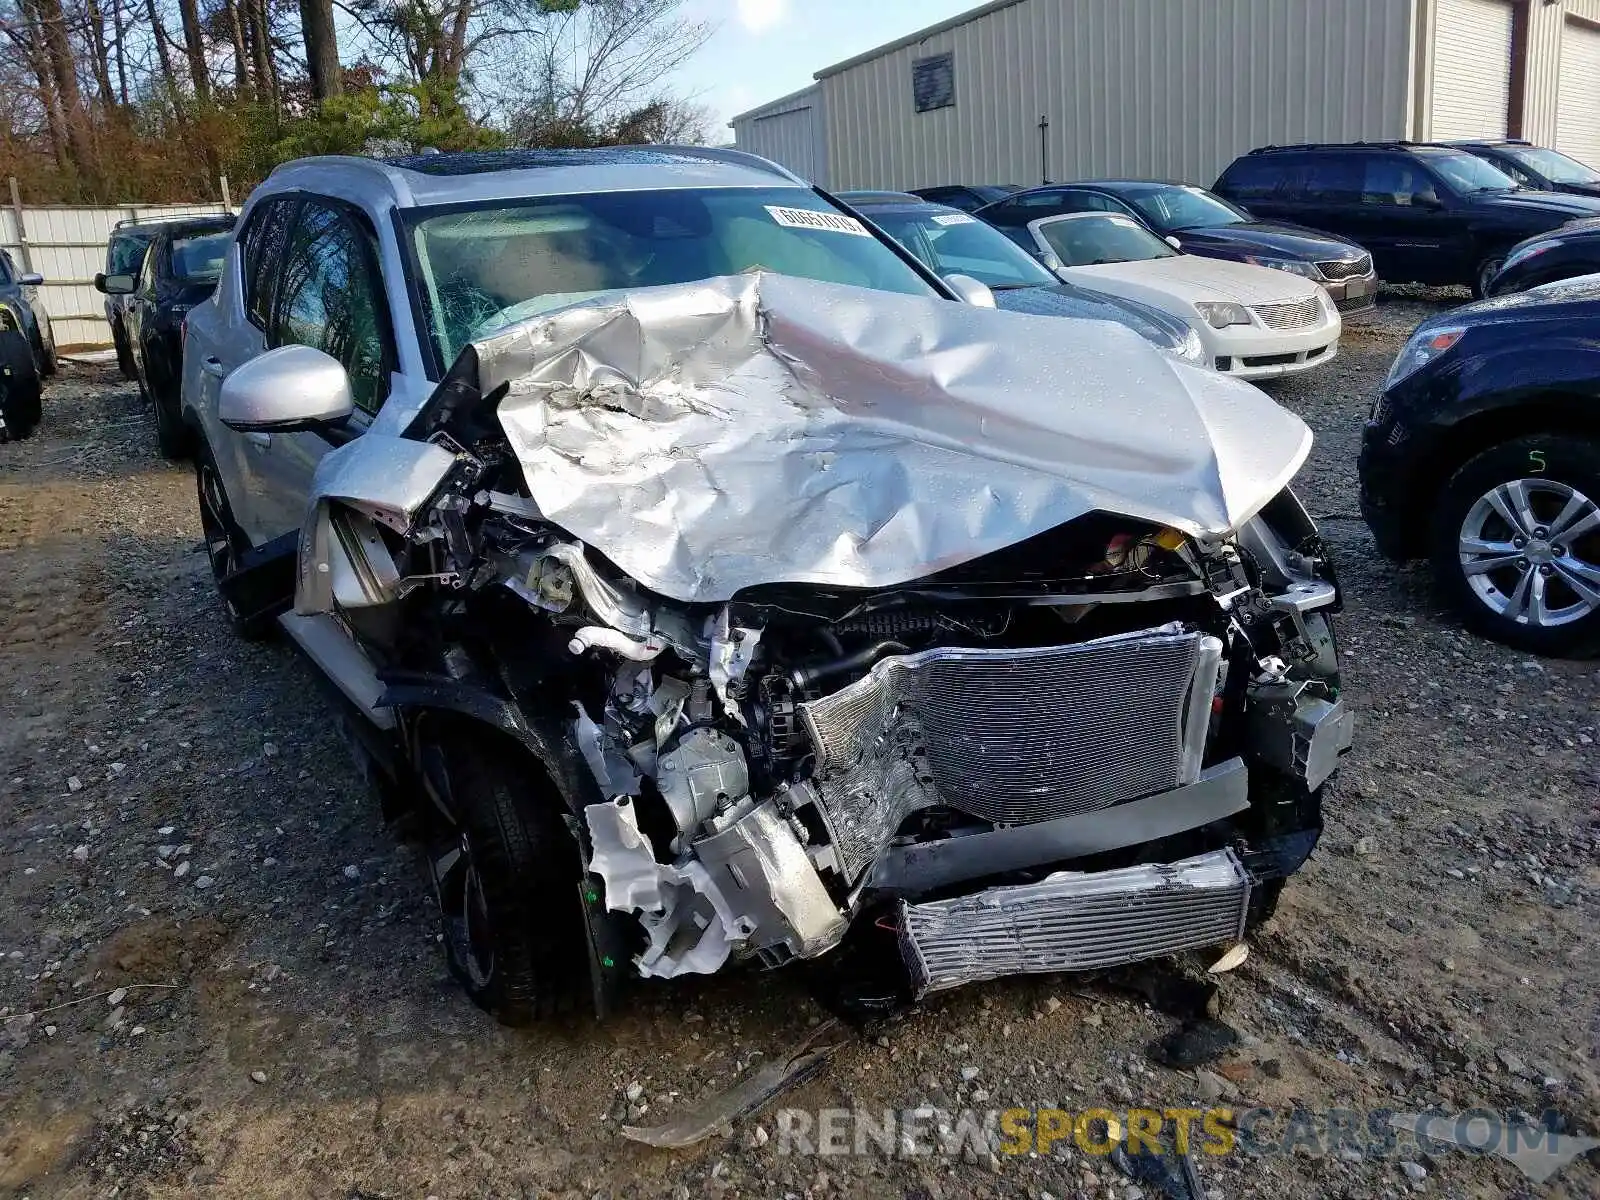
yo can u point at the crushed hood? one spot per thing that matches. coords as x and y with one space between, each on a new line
761 428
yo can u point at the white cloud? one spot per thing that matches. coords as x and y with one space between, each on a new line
758 16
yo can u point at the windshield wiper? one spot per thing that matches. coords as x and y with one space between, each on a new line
1011 287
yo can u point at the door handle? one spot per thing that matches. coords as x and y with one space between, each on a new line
213 366
259 439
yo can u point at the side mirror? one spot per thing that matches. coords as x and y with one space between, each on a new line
287 390
31 279
115 285
971 291
1051 260
1172 241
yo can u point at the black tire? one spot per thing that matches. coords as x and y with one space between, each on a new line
505 873
1543 474
21 391
125 363
224 544
49 364
1487 270
174 439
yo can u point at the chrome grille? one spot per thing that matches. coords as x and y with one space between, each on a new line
1011 736
1291 314
1346 269
1075 921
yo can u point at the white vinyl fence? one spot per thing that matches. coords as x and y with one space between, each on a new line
67 244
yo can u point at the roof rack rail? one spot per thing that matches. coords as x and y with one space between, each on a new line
1395 144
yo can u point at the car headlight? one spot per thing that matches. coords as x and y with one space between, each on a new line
1190 349
1425 346
1285 264
1219 314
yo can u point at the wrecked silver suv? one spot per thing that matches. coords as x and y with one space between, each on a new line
759 618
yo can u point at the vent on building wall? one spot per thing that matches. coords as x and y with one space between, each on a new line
933 81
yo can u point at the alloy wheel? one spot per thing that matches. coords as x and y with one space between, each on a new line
453 871
1530 552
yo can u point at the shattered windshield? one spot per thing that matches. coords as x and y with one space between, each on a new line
488 266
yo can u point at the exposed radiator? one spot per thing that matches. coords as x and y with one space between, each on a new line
1075 921
1011 736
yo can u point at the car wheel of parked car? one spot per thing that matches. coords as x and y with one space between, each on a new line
172 435
1517 543
224 542
125 362
21 392
1487 270
505 872
48 362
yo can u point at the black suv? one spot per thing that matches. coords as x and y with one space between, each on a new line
1429 214
1537 166
1484 453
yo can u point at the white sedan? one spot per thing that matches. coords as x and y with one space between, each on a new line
1254 322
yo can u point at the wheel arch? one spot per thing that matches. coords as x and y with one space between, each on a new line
1546 413
475 711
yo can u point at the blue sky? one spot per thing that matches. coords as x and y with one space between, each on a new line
764 49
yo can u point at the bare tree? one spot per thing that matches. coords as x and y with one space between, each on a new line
47 26
194 45
602 66
322 48
234 22
99 52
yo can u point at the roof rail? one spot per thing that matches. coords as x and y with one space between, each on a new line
1397 144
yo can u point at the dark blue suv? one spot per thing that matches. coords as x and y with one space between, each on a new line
1428 214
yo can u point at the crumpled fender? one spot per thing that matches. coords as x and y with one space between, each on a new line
373 480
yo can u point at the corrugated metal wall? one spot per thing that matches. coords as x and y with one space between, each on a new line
1143 87
67 245
792 132
1546 26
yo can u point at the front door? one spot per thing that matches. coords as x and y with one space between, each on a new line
329 296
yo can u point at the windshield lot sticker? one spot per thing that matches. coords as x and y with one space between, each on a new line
954 219
804 218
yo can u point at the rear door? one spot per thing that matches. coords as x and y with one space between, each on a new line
329 296
1321 191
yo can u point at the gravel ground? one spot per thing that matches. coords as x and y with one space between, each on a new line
219 976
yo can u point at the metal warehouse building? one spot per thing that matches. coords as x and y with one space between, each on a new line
1022 90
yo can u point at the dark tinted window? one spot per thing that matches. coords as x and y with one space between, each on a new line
1086 202
1333 179
1252 179
1393 179
261 253
329 296
199 256
127 252
1039 200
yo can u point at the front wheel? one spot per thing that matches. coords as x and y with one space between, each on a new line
505 872
1516 544
223 545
